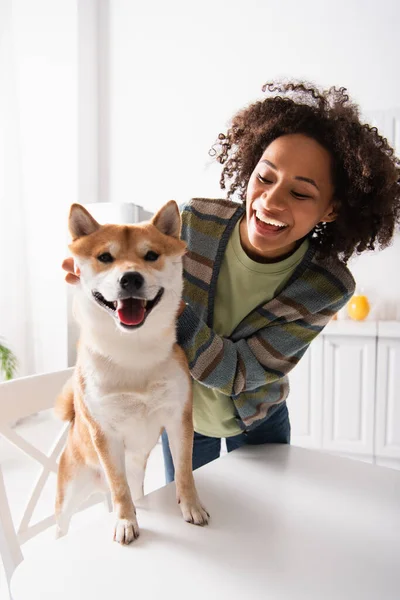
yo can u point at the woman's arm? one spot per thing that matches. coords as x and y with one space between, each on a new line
264 357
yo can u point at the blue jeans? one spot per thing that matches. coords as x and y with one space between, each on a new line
275 430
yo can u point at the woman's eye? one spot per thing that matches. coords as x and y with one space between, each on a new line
151 256
263 179
105 257
301 196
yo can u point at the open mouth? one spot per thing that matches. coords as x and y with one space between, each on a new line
268 225
131 312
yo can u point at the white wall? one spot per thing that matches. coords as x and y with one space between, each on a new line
179 70
44 72
376 274
47 53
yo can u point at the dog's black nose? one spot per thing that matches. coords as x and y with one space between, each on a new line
131 281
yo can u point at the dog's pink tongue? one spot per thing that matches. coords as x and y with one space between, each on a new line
130 311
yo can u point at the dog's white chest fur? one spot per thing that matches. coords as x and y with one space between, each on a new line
135 405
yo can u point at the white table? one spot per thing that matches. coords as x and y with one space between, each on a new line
286 524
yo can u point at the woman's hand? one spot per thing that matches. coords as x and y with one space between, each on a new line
72 276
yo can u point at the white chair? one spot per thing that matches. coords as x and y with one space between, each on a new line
21 398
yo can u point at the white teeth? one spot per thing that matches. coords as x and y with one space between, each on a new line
268 220
120 303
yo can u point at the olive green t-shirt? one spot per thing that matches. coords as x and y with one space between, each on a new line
243 284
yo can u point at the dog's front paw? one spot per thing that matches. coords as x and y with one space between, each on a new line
194 512
125 531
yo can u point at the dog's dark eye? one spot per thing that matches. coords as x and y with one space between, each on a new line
151 256
105 257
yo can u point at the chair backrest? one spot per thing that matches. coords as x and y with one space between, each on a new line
21 398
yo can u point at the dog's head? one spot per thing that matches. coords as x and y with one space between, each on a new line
129 271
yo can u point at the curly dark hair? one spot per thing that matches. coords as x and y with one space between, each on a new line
366 173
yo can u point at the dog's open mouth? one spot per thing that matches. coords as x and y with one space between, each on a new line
131 312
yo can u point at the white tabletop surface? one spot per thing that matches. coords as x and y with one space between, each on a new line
286 524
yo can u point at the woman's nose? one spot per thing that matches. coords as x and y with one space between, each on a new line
274 199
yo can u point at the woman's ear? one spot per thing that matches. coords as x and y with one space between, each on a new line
331 213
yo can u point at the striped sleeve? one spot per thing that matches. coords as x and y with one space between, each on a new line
233 367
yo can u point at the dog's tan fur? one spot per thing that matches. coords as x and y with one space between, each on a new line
129 383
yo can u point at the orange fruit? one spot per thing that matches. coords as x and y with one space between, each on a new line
358 308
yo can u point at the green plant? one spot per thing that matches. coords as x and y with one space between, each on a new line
8 361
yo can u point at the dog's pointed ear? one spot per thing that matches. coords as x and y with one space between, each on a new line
81 222
168 220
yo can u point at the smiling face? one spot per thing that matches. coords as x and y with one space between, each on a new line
129 270
289 192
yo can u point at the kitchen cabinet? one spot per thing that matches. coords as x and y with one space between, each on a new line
306 388
345 392
388 395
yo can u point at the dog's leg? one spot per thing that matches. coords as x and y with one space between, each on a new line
135 470
75 483
111 452
180 436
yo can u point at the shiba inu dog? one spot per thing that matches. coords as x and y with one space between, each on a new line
131 379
